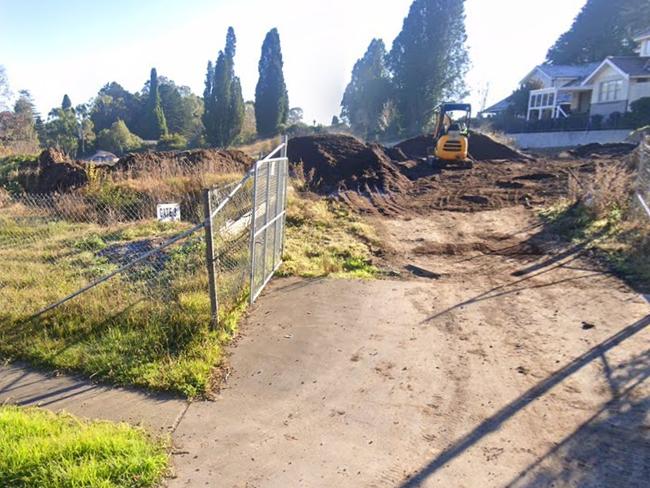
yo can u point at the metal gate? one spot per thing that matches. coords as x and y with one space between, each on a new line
245 232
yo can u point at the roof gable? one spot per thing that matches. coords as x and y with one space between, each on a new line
607 63
576 72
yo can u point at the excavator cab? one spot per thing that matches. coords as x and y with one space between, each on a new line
452 132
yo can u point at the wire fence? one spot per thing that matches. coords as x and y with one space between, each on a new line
643 183
76 255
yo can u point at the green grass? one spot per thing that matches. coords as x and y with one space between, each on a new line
623 242
43 449
324 238
143 328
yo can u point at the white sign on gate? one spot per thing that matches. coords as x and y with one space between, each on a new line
169 212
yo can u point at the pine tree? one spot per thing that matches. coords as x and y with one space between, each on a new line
155 125
271 97
602 28
429 60
224 112
368 93
208 105
66 104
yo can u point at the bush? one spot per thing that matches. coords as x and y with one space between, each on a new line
172 142
639 115
118 139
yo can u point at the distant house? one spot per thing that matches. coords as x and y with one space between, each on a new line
591 89
101 158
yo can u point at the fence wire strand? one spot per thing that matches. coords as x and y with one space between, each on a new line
78 252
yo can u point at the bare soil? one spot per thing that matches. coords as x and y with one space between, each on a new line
495 357
335 163
481 148
399 182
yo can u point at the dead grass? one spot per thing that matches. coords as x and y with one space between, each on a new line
601 213
260 147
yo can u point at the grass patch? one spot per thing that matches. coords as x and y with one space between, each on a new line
623 242
601 214
323 238
148 327
40 448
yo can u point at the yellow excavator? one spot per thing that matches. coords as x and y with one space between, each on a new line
451 133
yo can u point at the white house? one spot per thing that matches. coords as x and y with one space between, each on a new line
594 89
602 89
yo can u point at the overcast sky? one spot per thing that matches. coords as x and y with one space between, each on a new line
55 47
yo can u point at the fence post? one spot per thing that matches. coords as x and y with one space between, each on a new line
253 231
211 259
267 210
285 188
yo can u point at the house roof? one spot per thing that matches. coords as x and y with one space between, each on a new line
500 106
571 71
568 71
632 65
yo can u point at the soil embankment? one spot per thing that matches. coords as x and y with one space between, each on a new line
400 181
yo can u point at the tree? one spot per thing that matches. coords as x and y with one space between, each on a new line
114 103
154 125
249 127
181 107
61 131
271 97
86 130
5 90
368 93
118 139
296 116
429 60
518 101
17 129
223 101
602 28
66 104
335 121
208 101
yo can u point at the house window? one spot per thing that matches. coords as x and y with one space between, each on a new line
643 80
610 91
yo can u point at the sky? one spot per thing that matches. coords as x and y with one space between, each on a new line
54 47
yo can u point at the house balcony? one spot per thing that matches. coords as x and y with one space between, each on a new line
556 103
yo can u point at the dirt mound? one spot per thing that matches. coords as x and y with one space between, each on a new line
603 150
56 173
338 163
481 148
214 160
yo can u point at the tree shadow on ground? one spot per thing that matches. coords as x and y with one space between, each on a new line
611 449
623 409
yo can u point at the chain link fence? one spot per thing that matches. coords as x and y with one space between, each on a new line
643 183
74 250
245 233
57 247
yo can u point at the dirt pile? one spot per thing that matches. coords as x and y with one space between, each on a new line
339 163
481 148
56 173
213 160
603 150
